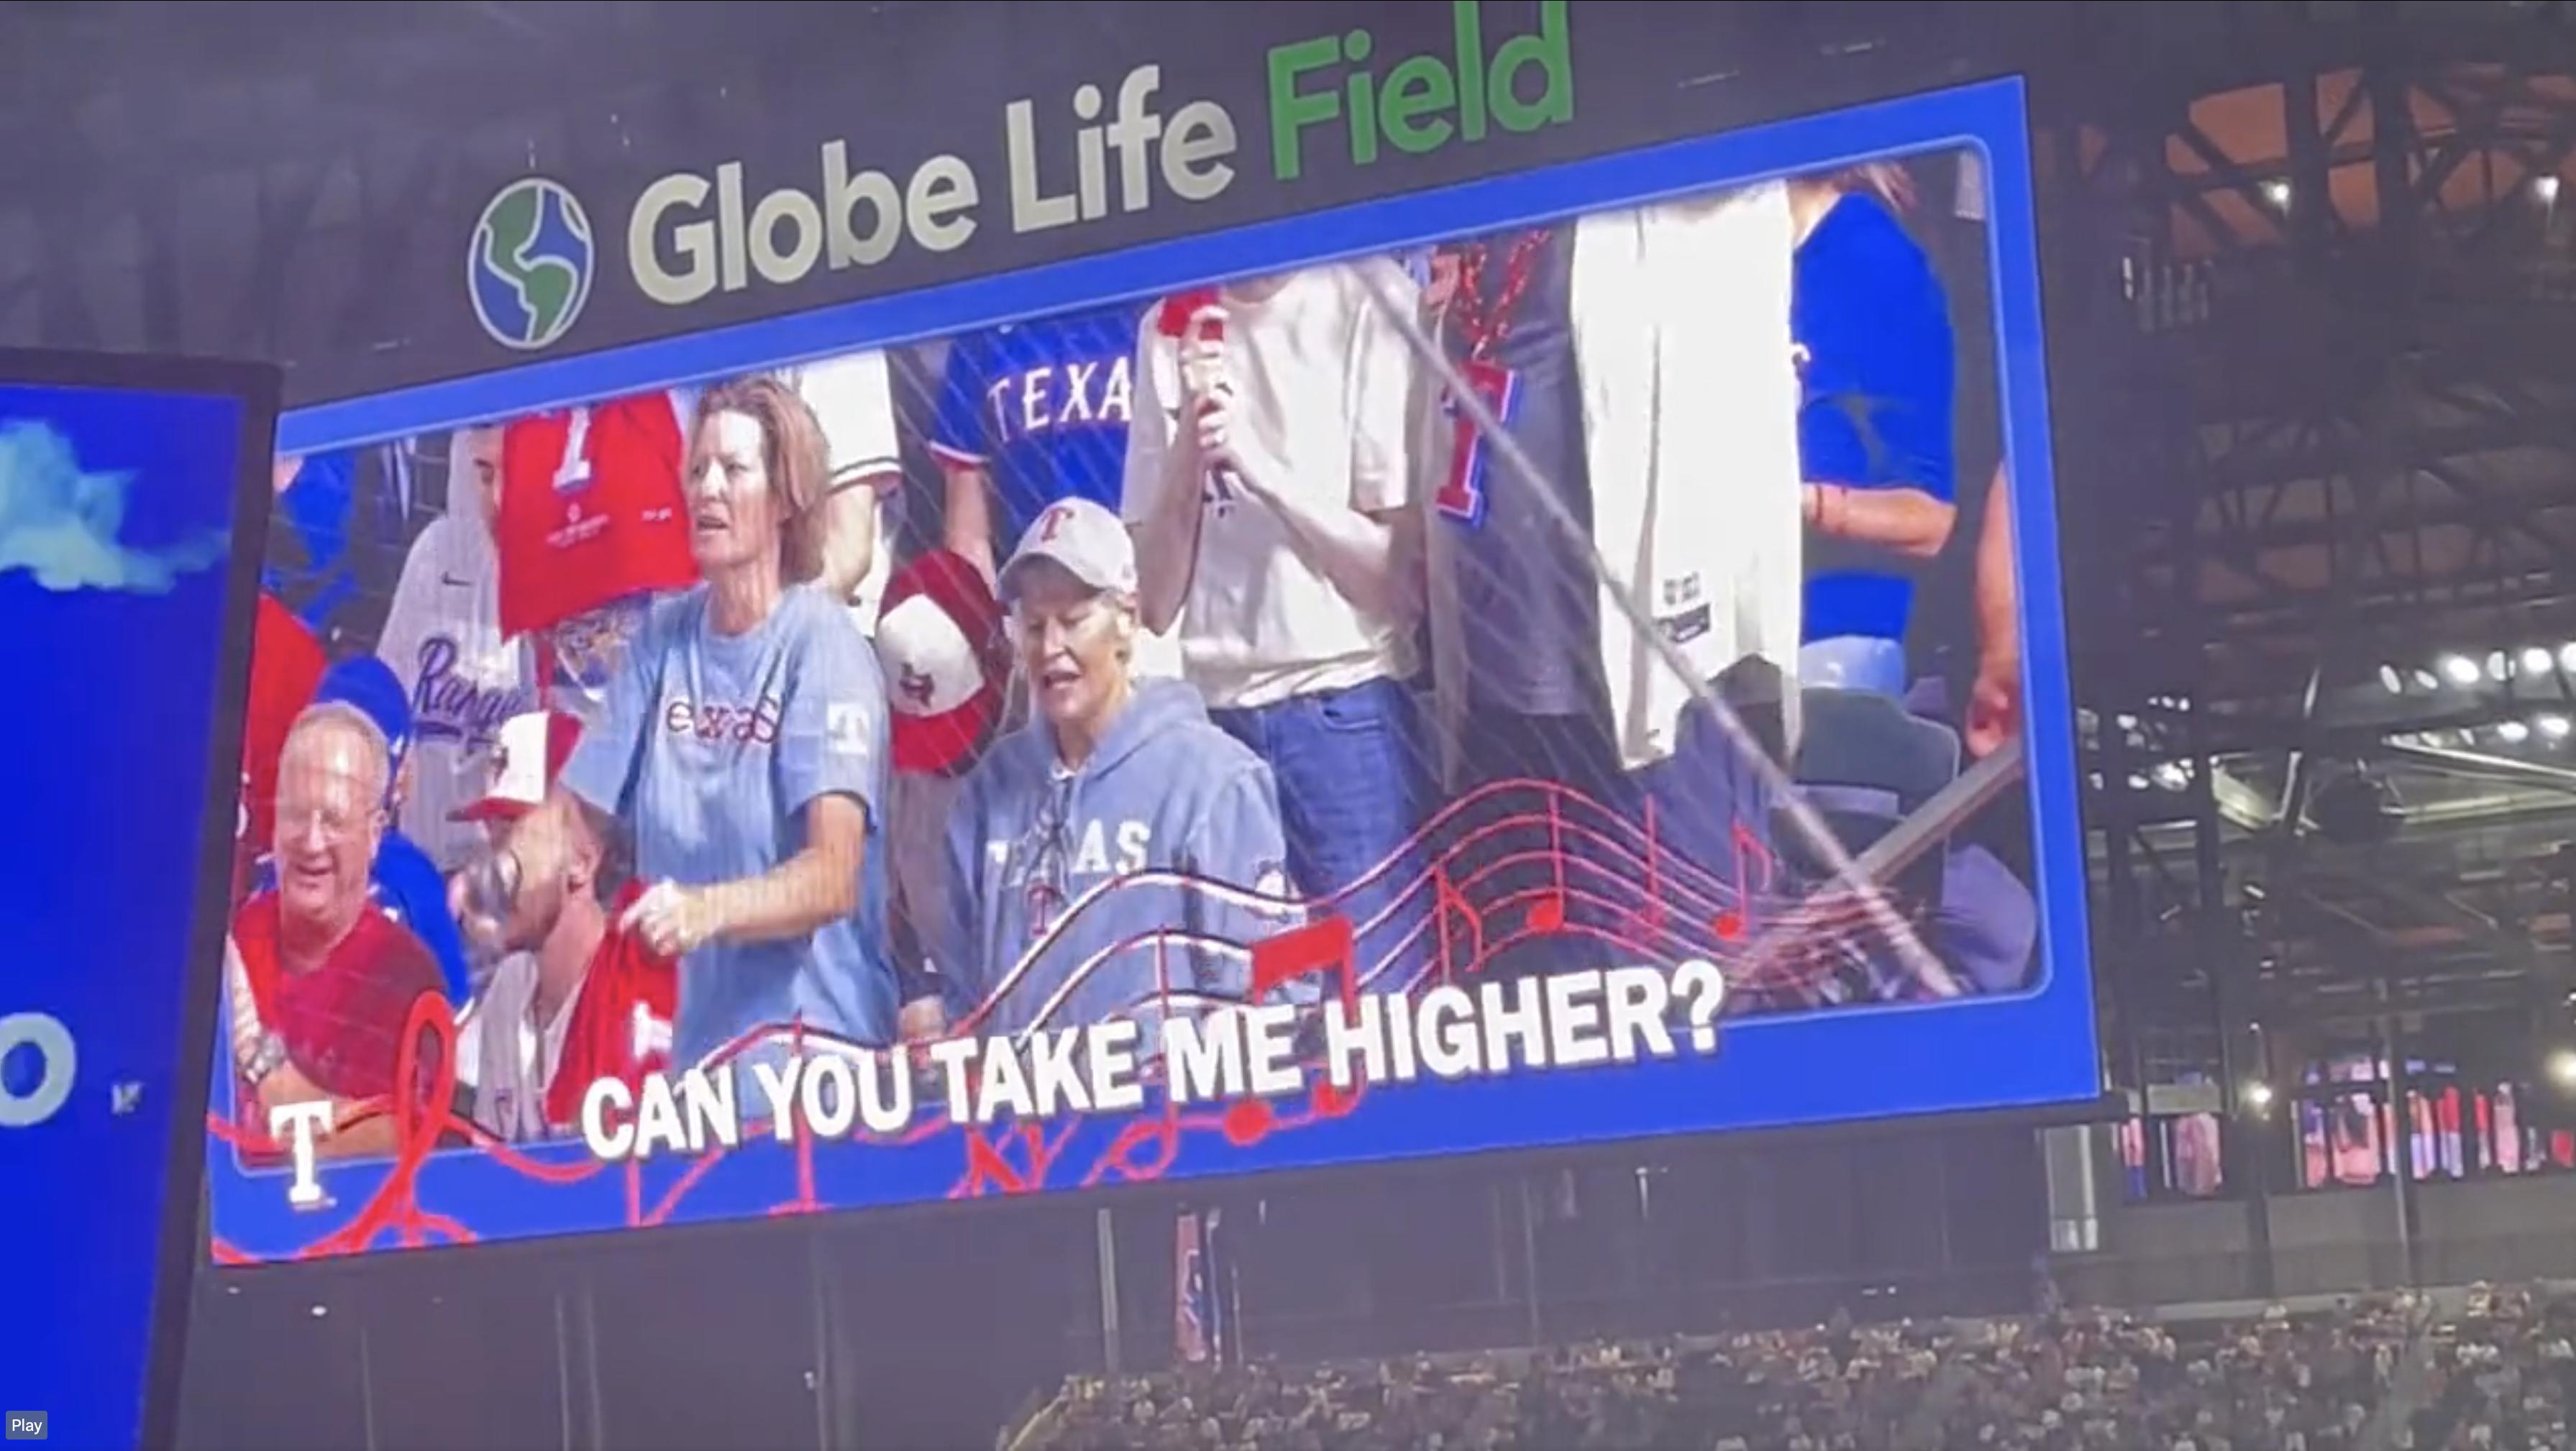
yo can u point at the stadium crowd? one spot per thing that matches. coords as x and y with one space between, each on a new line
2493 1369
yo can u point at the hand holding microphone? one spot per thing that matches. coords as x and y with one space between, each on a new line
1209 390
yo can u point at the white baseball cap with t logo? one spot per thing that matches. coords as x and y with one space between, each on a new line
1086 540
529 753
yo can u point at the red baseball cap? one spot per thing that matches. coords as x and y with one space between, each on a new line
526 759
939 637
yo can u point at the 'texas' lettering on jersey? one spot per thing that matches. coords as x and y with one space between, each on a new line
1048 881
1091 856
447 704
1036 401
717 722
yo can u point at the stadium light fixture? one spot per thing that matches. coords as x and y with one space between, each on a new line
2258 1097
2460 669
2562 1069
2553 726
2535 660
2499 666
2513 732
2277 192
2567 656
2395 682
2427 680
2545 187
2172 776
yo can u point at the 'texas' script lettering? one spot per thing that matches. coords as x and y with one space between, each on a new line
716 721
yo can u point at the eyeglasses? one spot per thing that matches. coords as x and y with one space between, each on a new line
337 823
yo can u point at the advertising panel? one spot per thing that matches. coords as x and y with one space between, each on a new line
1565 657
124 484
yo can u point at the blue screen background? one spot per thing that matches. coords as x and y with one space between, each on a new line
103 764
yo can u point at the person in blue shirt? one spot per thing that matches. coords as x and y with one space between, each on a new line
337 537
403 880
1878 366
1029 413
1050 924
743 748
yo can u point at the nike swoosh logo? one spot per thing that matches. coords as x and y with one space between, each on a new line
446 578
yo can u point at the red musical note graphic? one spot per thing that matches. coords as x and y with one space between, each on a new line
1322 947
1448 904
1648 921
1731 924
1547 915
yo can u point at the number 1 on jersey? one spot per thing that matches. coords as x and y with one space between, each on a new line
1462 491
574 471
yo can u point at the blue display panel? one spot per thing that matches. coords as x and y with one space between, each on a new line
1903 290
122 491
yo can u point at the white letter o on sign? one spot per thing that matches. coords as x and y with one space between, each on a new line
53 1044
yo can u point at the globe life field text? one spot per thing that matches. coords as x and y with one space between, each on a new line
692 234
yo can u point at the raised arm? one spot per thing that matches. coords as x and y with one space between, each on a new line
853 399
962 439
1162 490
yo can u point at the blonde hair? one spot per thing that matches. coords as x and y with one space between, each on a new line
1888 181
793 453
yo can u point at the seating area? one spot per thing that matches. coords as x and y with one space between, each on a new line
2483 1368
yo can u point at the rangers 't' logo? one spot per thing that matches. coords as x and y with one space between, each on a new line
916 686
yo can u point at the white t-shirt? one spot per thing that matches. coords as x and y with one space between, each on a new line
1323 382
853 399
442 638
505 1057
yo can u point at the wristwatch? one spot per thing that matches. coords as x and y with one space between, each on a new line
265 1059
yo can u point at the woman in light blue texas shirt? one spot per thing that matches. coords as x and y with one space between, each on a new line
744 749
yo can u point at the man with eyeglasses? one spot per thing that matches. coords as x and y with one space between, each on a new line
1059 910
323 982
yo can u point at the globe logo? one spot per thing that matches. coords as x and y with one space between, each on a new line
530 265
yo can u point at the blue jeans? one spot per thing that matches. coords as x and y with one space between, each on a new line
1355 782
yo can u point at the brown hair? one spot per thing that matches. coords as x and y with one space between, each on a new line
795 456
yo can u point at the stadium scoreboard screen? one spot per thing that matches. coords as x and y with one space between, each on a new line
1567 654
125 486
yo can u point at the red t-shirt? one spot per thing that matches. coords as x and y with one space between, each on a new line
342 1022
591 510
621 1023
286 665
